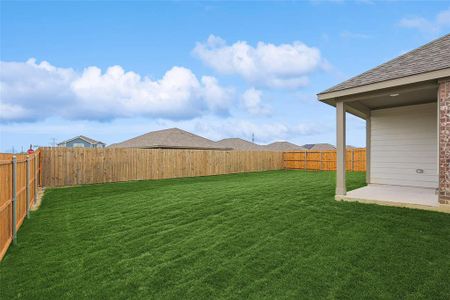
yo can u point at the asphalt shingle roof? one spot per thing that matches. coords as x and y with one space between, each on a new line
430 57
238 144
87 139
168 138
322 146
283 146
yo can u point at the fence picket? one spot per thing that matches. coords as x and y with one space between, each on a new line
20 175
137 164
324 160
19 179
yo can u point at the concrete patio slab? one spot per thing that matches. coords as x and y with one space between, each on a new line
402 196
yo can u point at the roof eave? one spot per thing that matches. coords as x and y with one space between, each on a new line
434 75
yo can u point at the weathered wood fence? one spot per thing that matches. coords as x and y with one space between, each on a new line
324 160
19 180
74 166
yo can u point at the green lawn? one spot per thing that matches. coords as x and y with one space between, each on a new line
257 235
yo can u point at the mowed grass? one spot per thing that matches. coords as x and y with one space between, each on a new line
257 235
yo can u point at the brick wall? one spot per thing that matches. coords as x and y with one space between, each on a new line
444 141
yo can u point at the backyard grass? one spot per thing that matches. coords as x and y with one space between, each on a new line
257 235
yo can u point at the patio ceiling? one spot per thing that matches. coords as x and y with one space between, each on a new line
361 104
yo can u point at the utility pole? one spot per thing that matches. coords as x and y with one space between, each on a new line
53 143
253 137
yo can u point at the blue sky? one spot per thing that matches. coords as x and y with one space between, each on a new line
114 70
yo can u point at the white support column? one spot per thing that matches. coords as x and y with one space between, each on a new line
341 188
368 147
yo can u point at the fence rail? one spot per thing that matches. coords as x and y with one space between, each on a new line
324 160
19 180
54 167
74 166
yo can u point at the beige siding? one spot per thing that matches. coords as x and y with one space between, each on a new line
403 140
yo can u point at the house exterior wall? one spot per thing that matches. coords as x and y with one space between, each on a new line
444 141
403 144
99 145
72 143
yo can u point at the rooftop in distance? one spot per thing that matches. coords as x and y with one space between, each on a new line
175 138
170 138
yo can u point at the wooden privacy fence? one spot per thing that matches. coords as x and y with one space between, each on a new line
324 160
53 167
19 180
74 166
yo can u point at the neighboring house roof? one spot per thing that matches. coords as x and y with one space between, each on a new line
431 57
169 138
238 144
84 138
283 146
322 146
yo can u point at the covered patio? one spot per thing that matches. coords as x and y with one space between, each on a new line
396 195
406 105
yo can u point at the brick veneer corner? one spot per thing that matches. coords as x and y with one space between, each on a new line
444 141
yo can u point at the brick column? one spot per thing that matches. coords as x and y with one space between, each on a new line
444 141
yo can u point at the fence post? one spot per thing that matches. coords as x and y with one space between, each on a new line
28 186
320 167
353 160
40 168
14 198
306 153
36 172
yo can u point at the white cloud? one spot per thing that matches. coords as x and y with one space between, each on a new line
443 18
265 132
418 23
276 66
252 101
217 98
433 27
31 91
220 129
211 126
304 129
11 112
